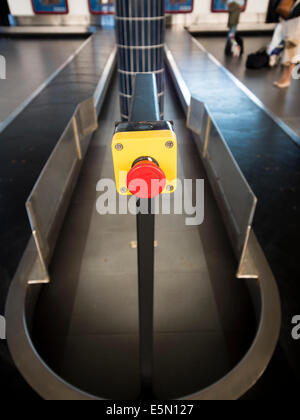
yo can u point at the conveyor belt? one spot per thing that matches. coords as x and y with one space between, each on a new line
22 55
284 103
86 320
269 159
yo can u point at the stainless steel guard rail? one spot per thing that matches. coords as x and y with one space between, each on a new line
237 204
46 207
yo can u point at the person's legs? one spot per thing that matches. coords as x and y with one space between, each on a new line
235 48
4 12
232 32
288 60
285 80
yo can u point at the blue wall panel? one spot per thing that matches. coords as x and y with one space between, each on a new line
50 6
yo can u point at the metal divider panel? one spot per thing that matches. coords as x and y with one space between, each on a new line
198 121
234 194
197 117
237 193
48 191
86 118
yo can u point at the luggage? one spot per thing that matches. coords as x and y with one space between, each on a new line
285 7
258 60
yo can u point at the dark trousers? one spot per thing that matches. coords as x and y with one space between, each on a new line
4 12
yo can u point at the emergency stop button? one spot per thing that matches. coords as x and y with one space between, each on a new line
145 158
146 179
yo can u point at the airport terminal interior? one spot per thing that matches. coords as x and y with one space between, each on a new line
149 200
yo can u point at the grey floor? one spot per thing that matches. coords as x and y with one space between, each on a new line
29 63
283 103
86 321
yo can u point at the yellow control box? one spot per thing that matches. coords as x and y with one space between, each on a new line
155 141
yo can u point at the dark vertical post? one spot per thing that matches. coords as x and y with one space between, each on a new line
4 12
145 239
145 107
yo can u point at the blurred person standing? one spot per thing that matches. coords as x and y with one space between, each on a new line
235 7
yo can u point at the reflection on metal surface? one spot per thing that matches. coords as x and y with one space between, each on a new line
133 244
197 117
207 137
46 30
182 89
77 138
86 118
39 273
102 86
247 267
58 20
222 28
39 237
85 122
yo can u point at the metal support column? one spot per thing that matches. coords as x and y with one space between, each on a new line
140 34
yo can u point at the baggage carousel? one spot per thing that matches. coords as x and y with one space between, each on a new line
72 311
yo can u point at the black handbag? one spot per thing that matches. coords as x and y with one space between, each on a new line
258 60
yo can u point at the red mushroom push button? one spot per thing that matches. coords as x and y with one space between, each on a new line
146 179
